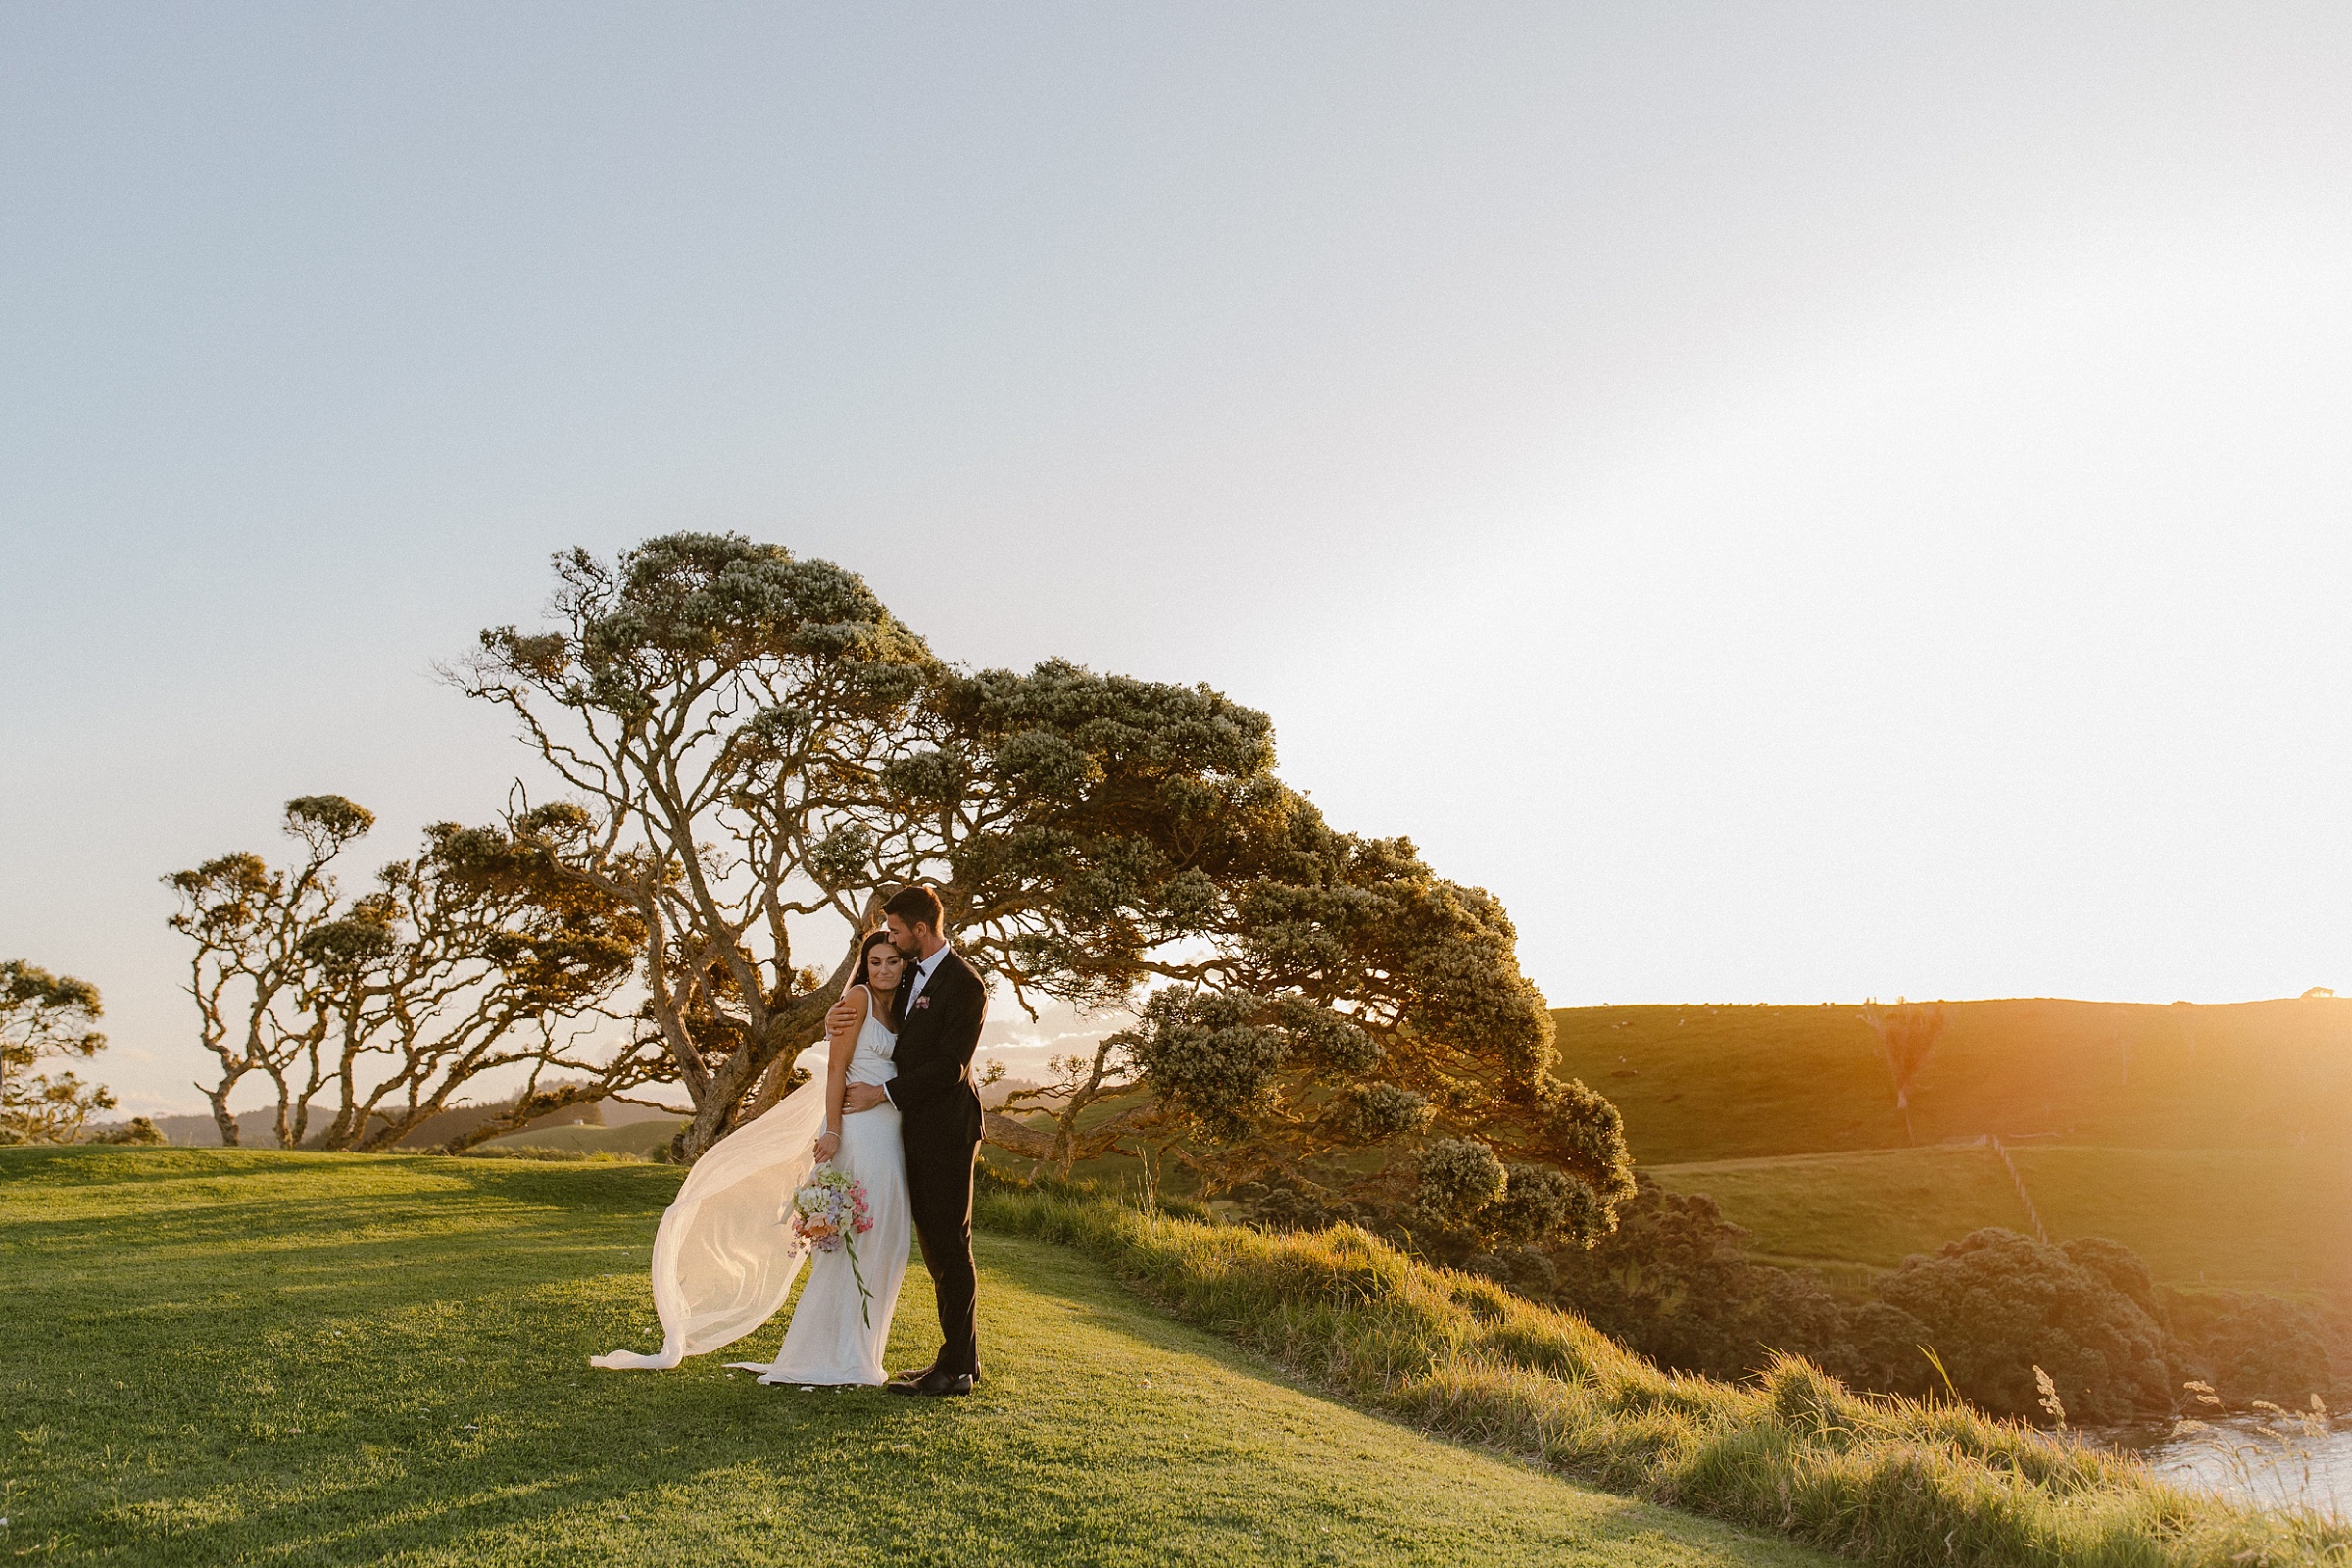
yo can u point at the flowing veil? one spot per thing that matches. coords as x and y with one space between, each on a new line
724 1258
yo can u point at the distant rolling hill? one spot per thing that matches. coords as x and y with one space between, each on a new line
639 1138
1704 1083
2215 1141
2248 1218
258 1129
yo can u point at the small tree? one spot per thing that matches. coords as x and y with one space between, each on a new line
372 1015
1907 1034
46 1017
249 976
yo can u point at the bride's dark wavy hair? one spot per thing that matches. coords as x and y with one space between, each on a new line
880 937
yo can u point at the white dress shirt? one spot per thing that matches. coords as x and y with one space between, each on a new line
914 989
922 973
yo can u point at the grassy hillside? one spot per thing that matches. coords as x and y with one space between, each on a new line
1703 1083
2249 1218
230 1355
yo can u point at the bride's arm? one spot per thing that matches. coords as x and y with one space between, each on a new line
839 1050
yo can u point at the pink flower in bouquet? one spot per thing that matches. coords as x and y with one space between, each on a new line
827 1213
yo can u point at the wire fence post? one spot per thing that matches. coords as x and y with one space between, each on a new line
2017 1181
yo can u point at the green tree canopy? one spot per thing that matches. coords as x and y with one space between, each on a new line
46 1017
759 752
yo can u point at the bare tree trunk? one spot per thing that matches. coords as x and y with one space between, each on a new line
1015 1137
729 1096
744 1085
219 1100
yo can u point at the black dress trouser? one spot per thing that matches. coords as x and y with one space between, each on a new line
939 1157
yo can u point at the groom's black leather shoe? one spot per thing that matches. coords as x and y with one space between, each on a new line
934 1384
914 1373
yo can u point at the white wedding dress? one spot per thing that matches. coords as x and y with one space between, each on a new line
725 1257
834 1337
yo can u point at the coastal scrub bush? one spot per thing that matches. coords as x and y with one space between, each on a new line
1674 1282
1996 1304
137 1130
2250 1347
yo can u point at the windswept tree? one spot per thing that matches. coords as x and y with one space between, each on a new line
248 975
46 1017
369 1016
760 751
702 700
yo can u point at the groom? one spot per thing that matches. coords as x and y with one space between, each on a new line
939 1111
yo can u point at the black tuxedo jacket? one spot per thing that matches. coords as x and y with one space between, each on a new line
933 1088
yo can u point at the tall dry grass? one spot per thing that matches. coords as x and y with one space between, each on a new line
1879 1480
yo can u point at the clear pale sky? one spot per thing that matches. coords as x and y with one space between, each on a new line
1804 501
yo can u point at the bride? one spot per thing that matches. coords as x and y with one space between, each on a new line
836 1337
726 1255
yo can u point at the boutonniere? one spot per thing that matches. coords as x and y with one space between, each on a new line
920 1003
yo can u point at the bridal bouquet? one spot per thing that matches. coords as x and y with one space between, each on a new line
828 1215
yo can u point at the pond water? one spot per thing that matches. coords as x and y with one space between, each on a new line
2294 1463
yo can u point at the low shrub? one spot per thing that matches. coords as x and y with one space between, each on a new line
137 1130
1995 1306
1882 1480
2252 1348
1674 1282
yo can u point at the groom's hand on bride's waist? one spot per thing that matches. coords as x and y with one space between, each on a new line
861 1096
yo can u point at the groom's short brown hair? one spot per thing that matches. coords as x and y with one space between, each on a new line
917 905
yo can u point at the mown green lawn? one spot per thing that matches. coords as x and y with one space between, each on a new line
2249 1218
226 1356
